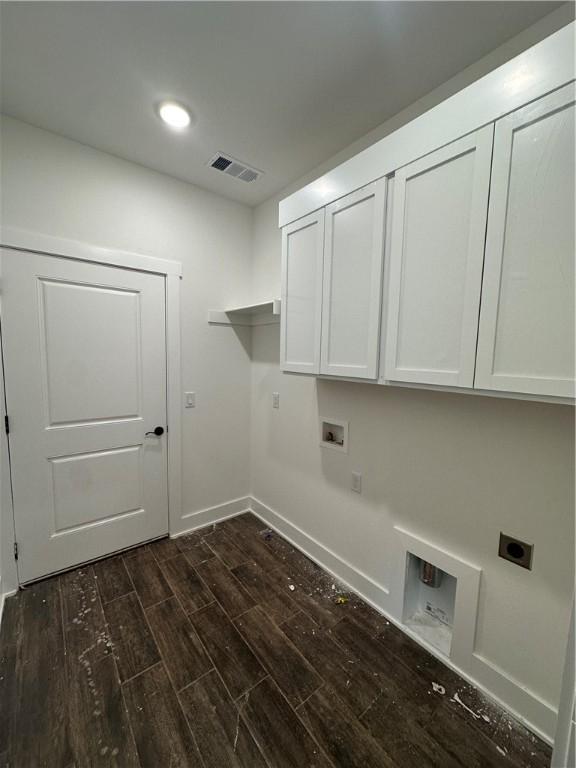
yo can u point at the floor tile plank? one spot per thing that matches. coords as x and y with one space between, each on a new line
293 674
85 630
236 663
251 541
292 560
318 602
195 548
398 724
223 546
181 649
112 578
247 521
340 734
162 549
35 682
280 734
186 583
222 737
100 731
133 645
225 587
522 746
161 731
466 747
148 579
356 686
266 592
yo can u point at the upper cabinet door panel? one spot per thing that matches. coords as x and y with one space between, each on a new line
436 256
352 297
302 257
526 337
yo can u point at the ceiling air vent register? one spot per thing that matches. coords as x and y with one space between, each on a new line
232 167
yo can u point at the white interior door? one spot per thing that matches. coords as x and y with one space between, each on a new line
526 337
435 270
352 295
302 258
85 369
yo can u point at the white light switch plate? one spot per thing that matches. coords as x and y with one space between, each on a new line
190 399
357 482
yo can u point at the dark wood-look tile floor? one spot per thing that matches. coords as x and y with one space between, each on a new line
226 649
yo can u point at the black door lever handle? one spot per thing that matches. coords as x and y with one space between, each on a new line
158 431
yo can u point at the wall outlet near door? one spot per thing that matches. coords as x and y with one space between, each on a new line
275 399
356 482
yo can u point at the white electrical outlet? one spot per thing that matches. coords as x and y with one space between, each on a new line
275 399
190 399
357 482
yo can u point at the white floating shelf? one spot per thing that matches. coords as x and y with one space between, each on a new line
267 313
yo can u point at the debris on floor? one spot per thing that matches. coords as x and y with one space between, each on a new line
437 688
342 600
267 533
291 587
458 700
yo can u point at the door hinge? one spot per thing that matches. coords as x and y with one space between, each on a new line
15 550
7 424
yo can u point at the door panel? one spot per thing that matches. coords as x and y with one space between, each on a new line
436 256
77 352
108 482
352 295
85 368
302 257
526 336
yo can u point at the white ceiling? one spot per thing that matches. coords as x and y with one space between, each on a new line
280 85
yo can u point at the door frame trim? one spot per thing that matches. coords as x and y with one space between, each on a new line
37 242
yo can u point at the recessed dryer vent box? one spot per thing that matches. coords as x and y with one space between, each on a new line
334 434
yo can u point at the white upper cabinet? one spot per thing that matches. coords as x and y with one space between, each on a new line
352 295
435 268
302 257
526 336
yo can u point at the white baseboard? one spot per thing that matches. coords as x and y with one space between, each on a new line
359 582
3 596
194 520
537 715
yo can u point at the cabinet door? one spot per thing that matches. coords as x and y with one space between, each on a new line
302 257
352 296
436 255
526 336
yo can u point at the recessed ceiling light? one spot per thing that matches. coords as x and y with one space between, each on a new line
174 115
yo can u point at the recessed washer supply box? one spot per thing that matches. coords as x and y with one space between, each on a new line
334 434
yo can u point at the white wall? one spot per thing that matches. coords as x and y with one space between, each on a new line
62 188
454 469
